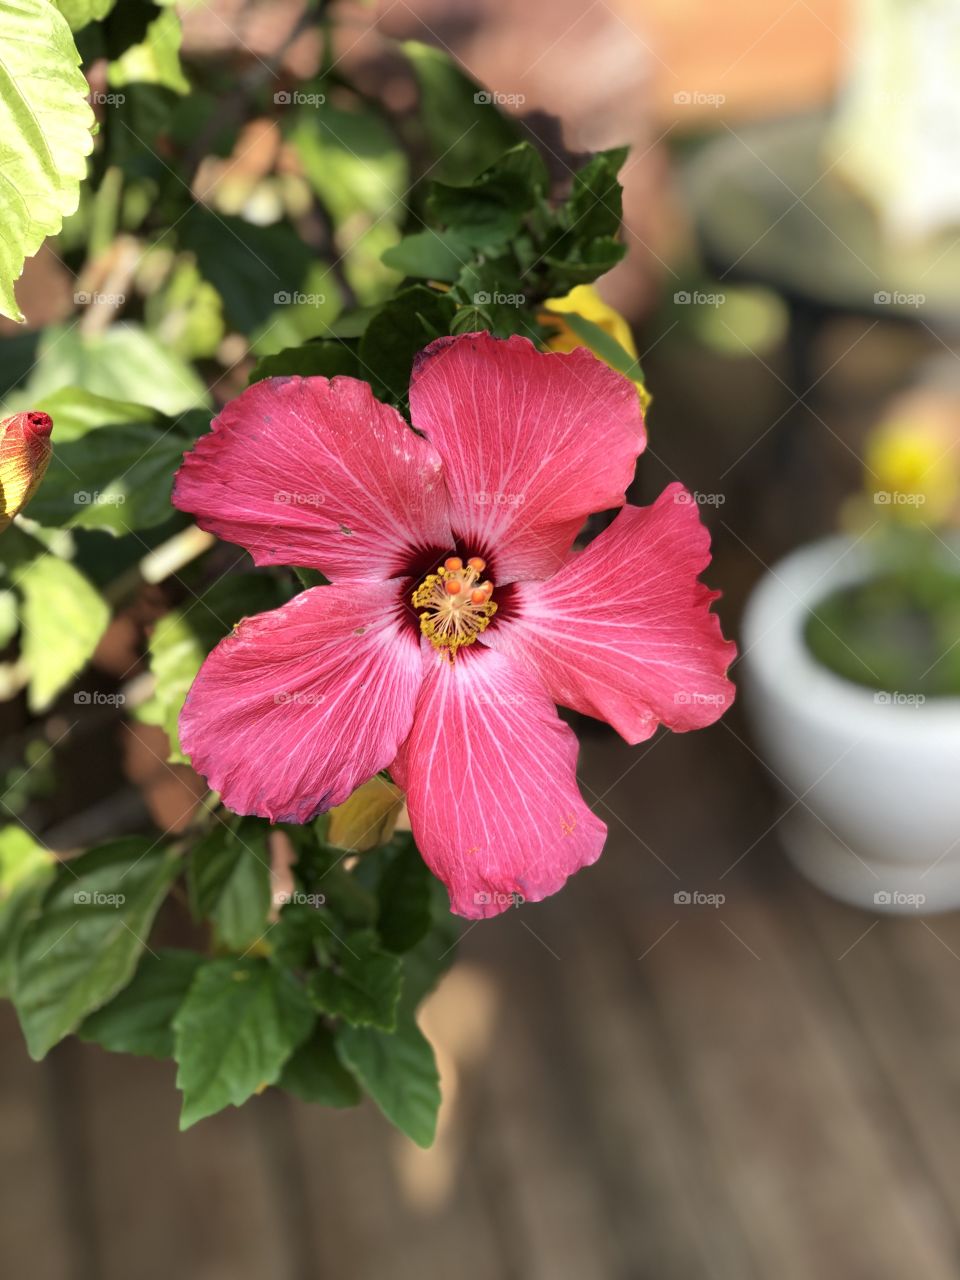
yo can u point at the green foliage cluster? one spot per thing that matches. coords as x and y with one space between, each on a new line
361 237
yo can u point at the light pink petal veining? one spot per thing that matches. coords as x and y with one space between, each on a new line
531 442
297 707
490 774
308 471
624 631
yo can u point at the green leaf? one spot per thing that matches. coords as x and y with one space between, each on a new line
429 960
228 879
352 160
364 988
239 1024
26 869
432 255
63 619
488 211
401 328
45 123
602 344
465 127
251 267
123 363
79 13
156 60
118 479
404 896
83 946
572 264
399 1072
139 1019
183 638
312 359
595 207
315 1073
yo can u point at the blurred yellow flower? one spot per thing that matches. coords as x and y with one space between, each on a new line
913 466
584 301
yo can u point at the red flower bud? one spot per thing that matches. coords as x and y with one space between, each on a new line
25 450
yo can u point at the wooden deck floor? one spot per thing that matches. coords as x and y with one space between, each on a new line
770 1088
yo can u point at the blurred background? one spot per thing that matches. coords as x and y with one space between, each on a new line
691 1062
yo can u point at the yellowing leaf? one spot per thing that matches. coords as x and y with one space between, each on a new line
368 818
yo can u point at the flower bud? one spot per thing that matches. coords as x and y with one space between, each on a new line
25 450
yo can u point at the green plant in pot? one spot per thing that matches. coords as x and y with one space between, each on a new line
852 674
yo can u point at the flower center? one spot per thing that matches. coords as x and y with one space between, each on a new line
455 605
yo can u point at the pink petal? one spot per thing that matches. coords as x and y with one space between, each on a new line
308 471
531 442
490 772
624 631
297 707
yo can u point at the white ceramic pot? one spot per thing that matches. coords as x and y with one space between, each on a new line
873 778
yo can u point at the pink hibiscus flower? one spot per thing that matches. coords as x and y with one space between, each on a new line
433 542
